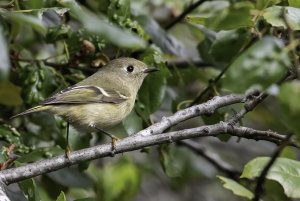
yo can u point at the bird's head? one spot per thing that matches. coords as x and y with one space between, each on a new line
129 70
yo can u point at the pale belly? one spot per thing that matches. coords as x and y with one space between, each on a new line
86 117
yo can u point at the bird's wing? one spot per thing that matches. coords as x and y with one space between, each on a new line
85 94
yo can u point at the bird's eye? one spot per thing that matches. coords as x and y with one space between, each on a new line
130 68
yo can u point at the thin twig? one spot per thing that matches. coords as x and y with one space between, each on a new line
185 64
189 9
218 163
85 68
261 179
206 108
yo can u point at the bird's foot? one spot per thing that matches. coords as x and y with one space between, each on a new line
67 151
114 139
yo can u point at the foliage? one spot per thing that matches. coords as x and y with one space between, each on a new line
285 171
236 188
46 46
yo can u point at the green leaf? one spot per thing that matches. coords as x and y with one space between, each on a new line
274 191
168 162
133 123
10 135
236 188
289 97
119 10
70 177
294 3
30 189
220 15
194 19
261 65
4 58
10 94
28 20
205 45
35 4
61 197
263 4
153 89
208 9
60 32
98 24
273 15
232 41
289 152
238 16
78 140
284 171
108 180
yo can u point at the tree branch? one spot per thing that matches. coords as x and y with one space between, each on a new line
131 143
3 194
212 158
149 137
202 109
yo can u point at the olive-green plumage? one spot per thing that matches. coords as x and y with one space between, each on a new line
100 101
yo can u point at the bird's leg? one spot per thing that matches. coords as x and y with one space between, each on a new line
67 149
113 138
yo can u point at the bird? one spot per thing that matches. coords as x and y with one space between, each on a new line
100 101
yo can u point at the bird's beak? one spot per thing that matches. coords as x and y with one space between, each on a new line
150 70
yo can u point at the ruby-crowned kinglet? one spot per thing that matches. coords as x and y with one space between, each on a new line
100 101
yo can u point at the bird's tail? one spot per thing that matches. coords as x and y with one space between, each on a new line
38 108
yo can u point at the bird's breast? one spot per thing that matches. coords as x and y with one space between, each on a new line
100 115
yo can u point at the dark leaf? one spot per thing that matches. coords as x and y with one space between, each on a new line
10 94
70 177
168 162
30 189
133 123
153 89
264 63
232 41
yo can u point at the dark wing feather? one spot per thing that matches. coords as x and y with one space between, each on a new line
85 94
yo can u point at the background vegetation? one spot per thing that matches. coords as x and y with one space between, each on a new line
213 48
